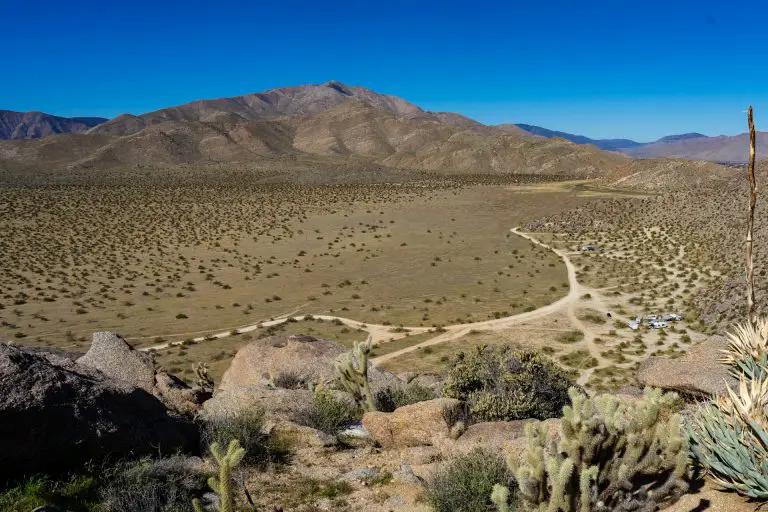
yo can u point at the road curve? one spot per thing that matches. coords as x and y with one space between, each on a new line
454 332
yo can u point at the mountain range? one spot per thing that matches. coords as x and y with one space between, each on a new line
332 123
32 125
692 146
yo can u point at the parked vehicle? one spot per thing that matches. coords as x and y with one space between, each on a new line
673 317
657 324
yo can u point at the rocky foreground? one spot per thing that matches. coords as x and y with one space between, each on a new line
63 411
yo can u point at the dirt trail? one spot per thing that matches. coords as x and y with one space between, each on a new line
569 304
382 333
454 332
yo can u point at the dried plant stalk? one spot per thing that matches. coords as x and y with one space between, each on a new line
752 313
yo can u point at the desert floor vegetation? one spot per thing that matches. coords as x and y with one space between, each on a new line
139 254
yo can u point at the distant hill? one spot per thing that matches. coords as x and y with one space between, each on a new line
689 146
606 144
331 123
722 148
32 125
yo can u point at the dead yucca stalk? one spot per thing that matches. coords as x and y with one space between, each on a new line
752 312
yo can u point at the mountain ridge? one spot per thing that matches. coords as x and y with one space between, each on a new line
32 125
332 123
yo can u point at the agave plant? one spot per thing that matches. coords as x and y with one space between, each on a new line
747 340
729 435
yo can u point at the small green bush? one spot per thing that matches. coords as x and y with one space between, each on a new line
465 483
247 426
504 384
327 413
392 397
79 493
161 485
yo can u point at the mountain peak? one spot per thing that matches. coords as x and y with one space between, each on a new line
338 86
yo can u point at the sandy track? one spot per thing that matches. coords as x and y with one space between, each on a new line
382 333
568 304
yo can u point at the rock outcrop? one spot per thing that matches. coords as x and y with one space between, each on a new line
421 424
302 358
112 355
696 373
58 414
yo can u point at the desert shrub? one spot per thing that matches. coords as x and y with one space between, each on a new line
505 384
390 398
79 493
570 337
247 427
464 484
327 413
610 455
161 485
289 380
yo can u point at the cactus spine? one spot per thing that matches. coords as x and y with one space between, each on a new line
353 368
605 447
222 485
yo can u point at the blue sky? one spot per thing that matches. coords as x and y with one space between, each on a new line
635 69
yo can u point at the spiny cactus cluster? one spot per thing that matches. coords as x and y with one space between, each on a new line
611 455
729 435
204 381
222 485
353 369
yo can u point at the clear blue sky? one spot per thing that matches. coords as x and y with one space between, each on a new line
624 68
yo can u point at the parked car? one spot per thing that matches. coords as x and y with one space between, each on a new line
657 324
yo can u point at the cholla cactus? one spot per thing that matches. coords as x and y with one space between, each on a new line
222 485
606 447
204 381
353 368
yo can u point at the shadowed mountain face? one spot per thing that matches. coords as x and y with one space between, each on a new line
32 125
332 123
606 144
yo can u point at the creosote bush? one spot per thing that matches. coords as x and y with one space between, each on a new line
162 485
464 484
327 413
505 384
390 398
247 427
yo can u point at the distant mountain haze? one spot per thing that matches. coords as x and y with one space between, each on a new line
607 144
691 146
32 125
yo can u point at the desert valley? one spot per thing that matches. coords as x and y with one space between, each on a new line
234 255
